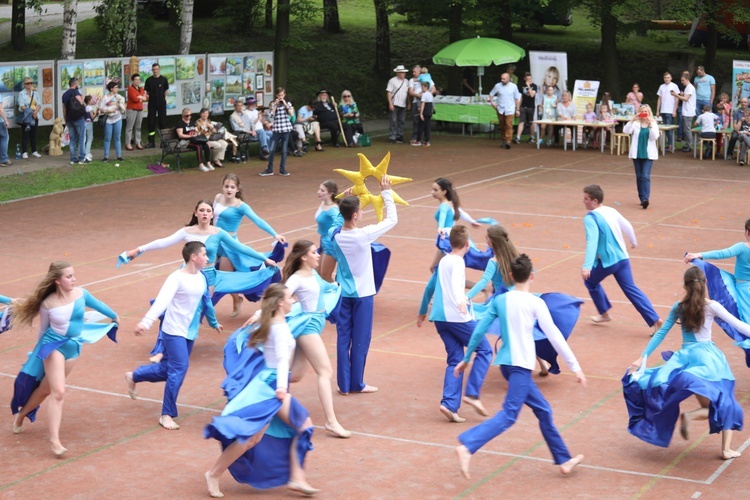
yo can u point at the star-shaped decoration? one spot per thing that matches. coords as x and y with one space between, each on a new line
360 189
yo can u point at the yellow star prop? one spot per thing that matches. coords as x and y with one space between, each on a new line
360 189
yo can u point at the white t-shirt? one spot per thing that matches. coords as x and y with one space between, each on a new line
688 107
307 290
416 87
399 89
427 97
667 99
706 121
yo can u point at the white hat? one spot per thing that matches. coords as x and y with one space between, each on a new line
400 69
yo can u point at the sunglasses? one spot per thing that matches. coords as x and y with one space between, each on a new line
186 116
28 83
346 95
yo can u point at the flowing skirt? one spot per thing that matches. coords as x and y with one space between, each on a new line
474 258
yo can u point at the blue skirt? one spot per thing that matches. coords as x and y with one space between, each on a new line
653 401
251 390
474 258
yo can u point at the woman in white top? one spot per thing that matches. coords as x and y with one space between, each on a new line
251 411
112 105
644 132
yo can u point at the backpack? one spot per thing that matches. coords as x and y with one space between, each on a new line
76 109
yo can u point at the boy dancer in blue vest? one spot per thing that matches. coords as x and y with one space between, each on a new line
454 321
518 310
355 274
606 254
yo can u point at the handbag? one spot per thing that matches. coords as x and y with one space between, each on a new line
364 140
199 139
102 120
218 133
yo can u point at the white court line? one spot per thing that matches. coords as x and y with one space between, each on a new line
631 174
503 176
726 463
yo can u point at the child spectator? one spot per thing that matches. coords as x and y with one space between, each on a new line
588 132
92 111
425 77
425 116
549 112
707 123
605 115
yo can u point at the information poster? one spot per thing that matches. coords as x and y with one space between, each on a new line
584 94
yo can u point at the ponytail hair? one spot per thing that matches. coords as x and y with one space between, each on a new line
294 261
692 308
236 179
269 304
194 219
450 195
505 251
24 312
332 189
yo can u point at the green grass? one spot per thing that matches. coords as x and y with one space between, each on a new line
4 19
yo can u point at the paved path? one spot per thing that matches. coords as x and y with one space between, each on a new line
51 17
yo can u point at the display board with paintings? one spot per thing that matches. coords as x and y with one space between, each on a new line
12 75
237 76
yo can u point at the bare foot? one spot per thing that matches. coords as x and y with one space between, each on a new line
131 385
17 425
237 305
156 358
543 367
685 426
477 404
451 416
58 449
169 424
464 459
368 389
338 430
730 454
213 486
568 466
601 318
302 487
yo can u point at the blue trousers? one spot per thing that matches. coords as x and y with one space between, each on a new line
77 131
456 337
278 139
354 331
668 119
113 133
643 177
521 391
624 276
172 370
3 142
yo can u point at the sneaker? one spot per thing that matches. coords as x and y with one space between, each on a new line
36 155
105 160
9 163
670 149
25 156
399 140
686 150
85 161
209 166
284 173
532 140
89 158
742 162
203 168
266 173
150 145
72 162
119 158
541 142
426 144
415 143
506 145
517 140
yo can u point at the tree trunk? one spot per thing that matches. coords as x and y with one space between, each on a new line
70 30
454 22
281 45
269 14
505 21
382 39
130 44
186 27
331 22
610 66
18 25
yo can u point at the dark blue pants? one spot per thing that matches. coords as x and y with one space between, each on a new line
456 337
521 391
171 369
278 139
668 119
624 276
354 330
643 177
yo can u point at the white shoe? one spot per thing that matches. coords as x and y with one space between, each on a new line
89 158
36 155
210 167
203 168
25 156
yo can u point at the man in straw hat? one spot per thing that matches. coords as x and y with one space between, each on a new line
397 92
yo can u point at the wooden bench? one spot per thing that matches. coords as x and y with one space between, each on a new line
170 145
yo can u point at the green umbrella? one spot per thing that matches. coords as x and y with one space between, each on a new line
479 52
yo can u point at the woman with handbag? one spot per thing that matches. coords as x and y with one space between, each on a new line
112 106
216 142
350 118
29 105
136 97
187 132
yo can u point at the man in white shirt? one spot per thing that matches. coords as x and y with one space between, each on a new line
508 106
667 105
355 274
181 300
263 135
688 110
397 93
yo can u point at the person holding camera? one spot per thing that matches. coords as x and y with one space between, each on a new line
644 132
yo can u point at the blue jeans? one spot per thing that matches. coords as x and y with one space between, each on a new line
89 138
3 142
113 130
668 119
262 139
276 139
643 177
699 103
77 130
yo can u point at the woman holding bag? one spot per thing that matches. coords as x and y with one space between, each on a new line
28 105
644 132
113 106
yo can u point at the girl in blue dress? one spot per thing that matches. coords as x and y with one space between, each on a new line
60 305
699 368
229 210
5 316
448 213
264 432
327 217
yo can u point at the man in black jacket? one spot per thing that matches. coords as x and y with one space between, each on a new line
327 118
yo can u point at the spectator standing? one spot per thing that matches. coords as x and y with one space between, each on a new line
134 113
74 112
281 111
635 97
467 83
425 115
415 94
528 97
512 72
687 97
29 105
508 106
705 88
666 103
92 111
644 132
397 92
112 105
156 87
4 161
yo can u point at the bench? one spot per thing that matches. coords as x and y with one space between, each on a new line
170 145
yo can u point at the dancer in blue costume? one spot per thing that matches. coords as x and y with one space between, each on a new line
699 368
201 228
180 300
60 305
5 315
327 217
454 322
264 432
607 254
740 290
229 209
518 311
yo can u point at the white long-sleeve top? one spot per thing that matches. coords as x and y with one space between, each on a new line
278 350
178 300
450 291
